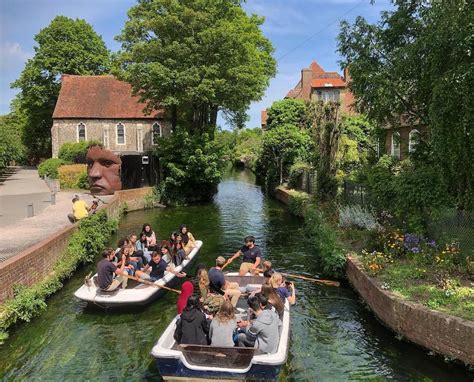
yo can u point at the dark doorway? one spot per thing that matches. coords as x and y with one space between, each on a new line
139 171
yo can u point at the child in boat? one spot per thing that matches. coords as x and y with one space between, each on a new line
284 291
150 235
187 290
223 326
264 332
192 327
187 238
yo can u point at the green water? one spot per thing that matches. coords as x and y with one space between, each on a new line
334 338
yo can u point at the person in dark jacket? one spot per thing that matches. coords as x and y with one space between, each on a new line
193 327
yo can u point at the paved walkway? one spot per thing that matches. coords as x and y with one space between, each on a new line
17 232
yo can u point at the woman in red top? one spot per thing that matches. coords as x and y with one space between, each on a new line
187 290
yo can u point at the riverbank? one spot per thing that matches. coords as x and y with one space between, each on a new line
36 273
437 331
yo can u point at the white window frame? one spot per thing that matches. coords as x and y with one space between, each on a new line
105 138
413 140
117 134
85 131
153 132
395 146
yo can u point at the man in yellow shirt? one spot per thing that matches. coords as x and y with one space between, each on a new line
79 210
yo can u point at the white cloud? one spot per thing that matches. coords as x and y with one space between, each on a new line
13 52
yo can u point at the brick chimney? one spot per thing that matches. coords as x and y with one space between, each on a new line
306 77
347 75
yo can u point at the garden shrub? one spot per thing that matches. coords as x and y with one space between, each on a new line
358 217
323 240
50 167
297 171
75 152
83 246
73 176
297 202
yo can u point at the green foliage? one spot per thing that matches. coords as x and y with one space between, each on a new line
226 141
83 246
192 166
323 240
195 57
73 176
297 171
151 199
248 147
287 111
11 147
50 167
66 46
282 146
417 63
297 202
75 152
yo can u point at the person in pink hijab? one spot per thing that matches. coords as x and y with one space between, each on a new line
186 292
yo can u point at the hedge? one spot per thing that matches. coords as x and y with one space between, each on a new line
73 176
50 167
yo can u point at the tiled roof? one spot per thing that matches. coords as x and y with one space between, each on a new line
328 82
98 97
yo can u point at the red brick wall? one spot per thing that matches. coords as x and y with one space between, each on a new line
30 266
445 334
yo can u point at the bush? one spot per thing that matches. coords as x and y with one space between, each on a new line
323 239
75 152
192 167
248 147
358 217
297 202
297 171
50 167
73 176
83 246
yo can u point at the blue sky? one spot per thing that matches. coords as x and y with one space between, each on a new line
288 23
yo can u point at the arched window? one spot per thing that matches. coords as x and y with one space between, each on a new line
413 140
81 132
156 132
396 144
120 134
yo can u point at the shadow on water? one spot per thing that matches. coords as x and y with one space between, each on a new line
334 338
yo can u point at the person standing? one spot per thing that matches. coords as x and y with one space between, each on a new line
109 276
251 256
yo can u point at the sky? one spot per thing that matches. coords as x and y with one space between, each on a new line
301 31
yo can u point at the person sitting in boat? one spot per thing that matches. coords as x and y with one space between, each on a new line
267 275
158 267
178 254
219 284
252 256
263 333
223 325
109 276
267 266
193 326
131 263
273 300
187 238
150 235
120 245
172 239
211 302
187 290
141 245
283 290
166 255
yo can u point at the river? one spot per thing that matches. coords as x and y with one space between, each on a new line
334 337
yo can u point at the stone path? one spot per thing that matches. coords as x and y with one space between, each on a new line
17 233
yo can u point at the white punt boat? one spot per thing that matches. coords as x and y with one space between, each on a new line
136 293
191 362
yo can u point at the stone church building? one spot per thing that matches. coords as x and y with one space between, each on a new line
102 108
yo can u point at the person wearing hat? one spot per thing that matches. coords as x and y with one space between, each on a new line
79 209
219 284
251 256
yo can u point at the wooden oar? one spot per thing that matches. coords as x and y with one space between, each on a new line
152 284
325 282
226 264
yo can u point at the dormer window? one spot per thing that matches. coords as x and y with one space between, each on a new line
156 133
120 133
81 132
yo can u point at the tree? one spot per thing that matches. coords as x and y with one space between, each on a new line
288 110
417 63
66 46
194 58
11 147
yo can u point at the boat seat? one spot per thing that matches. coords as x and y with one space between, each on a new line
215 356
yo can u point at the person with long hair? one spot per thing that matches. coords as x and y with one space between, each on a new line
193 327
142 245
274 301
203 278
187 290
150 235
285 292
178 253
223 325
187 237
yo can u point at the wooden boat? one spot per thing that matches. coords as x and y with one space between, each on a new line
136 293
190 362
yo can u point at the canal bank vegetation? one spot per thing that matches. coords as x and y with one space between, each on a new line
84 244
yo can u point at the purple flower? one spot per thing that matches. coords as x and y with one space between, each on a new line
432 243
411 240
415 250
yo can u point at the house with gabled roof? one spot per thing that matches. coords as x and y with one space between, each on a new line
103 108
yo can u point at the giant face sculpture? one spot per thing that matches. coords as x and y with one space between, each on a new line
103 171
